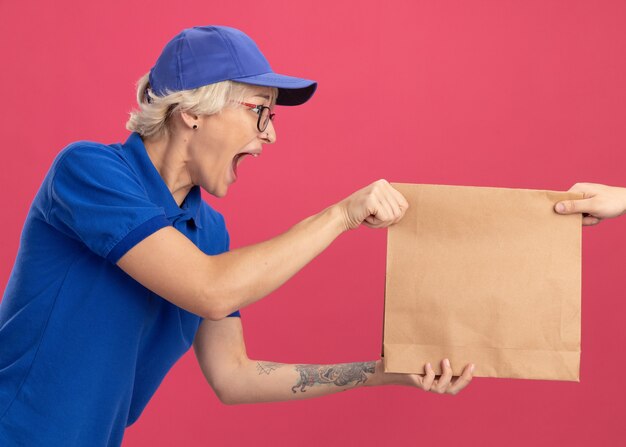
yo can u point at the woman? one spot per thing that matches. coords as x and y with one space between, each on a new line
122 266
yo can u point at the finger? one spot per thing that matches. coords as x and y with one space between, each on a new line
374 209
462 381
393 205
373 199
381 192
387 214
404 205
591 220
371 222
575 206
444 380
429 378
380 215
588 189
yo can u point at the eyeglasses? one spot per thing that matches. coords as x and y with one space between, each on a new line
264 112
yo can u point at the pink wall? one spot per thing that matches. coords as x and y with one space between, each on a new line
525 94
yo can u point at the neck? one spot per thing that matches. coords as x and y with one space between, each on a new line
168 155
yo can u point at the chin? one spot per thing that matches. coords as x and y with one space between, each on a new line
217 192
221 192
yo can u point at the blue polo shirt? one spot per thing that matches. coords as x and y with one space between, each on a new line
83 346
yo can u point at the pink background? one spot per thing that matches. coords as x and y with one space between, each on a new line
527 94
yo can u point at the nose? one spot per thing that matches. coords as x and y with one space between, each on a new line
269 134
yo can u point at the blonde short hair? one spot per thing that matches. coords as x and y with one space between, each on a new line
152 117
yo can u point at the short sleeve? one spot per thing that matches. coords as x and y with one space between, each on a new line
95 197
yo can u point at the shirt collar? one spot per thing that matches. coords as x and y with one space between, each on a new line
157 190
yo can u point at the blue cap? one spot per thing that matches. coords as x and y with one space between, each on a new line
204 55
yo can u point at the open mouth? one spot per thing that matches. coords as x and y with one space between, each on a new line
237 159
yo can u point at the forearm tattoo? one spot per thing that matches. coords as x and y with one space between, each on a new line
340 375
267 367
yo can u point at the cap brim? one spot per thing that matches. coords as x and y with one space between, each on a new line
291 91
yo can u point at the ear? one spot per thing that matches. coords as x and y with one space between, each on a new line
189 119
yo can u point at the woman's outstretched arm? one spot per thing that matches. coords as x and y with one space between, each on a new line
171 266
237 379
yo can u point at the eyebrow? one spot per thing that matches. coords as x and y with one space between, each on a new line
263 96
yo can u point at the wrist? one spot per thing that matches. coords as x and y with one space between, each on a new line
378 378
336 215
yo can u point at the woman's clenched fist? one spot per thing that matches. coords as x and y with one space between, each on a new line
377 205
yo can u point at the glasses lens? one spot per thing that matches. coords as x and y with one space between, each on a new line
264 119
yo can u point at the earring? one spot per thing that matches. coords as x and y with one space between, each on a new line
195 126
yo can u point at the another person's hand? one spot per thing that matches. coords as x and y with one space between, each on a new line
378 205
599 202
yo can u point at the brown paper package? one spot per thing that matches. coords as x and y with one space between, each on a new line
490 276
